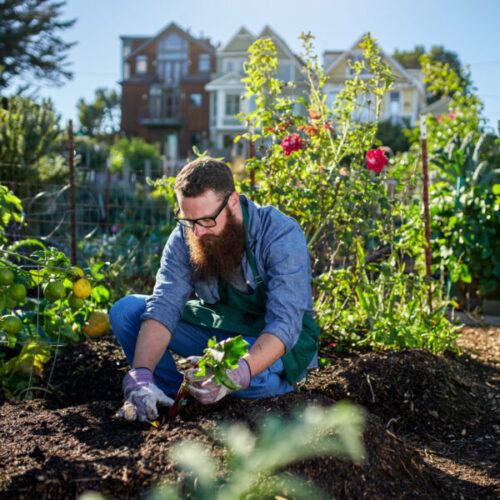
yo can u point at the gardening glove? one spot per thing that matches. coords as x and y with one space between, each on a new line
142 396
207 390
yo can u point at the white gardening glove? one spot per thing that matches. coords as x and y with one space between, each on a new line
142 396
207 390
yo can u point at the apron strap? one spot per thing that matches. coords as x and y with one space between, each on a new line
248 250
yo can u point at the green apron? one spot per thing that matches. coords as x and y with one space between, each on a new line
243 314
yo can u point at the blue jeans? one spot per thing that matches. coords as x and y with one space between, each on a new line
188 340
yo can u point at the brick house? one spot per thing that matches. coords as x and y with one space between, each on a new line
164 99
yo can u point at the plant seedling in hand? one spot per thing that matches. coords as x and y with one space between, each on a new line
218 357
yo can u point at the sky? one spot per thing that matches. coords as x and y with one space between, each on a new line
469 28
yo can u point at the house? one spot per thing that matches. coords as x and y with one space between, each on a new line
227 90
163 82
404 101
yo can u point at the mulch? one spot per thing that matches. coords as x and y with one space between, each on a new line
432 426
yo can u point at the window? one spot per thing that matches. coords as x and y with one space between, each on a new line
126 50
284 71
173 58
229 66
395 105
141 64
204 63
126 71
195 100
232 104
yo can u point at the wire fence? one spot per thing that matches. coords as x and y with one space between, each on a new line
118 208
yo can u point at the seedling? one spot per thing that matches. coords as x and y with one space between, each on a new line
218 357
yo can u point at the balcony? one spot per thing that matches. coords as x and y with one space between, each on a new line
162 110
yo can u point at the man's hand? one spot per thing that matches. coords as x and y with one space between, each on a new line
142 396
207 390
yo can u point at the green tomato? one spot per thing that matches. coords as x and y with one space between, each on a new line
6 276
54 290
11 324
17 292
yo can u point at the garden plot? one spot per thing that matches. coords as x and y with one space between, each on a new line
431 426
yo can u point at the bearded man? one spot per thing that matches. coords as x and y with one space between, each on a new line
249 269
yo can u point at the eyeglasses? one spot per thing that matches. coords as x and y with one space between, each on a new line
205 221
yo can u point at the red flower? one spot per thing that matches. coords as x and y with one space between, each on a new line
438 118
376 160
291 142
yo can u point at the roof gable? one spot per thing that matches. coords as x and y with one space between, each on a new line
239 42
169 28
402 72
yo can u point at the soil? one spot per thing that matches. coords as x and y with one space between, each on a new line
432 426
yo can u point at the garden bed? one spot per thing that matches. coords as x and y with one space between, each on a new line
432 426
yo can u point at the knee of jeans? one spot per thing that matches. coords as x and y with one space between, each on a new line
127 310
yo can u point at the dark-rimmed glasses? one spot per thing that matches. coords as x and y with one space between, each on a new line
205 221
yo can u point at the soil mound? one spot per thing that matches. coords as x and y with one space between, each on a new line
417 407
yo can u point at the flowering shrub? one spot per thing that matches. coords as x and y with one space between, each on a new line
322 167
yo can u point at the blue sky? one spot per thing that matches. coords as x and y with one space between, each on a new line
468 28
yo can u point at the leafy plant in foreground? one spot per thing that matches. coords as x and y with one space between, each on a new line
252 462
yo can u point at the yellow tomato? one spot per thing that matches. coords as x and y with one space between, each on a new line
82 288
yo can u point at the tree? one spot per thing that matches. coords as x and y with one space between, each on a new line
29 137
100 117
30 42
411 59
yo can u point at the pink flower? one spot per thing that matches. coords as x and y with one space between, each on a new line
291 142
438 118
332 344
376 160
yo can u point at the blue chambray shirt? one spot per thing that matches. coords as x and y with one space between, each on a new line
280 249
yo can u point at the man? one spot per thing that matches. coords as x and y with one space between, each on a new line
250 270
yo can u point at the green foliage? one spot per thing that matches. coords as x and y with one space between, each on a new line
438 54
253 462
356 221
466 234
220 357
30 43
393 136
29 134
100 117
464 207
135 152
39 321
11 210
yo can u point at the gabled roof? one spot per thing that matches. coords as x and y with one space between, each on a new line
169 27
239 42
267 31
391 60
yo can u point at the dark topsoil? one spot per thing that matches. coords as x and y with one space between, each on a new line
432 426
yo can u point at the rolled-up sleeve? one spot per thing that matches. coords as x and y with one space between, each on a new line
173 284
288 271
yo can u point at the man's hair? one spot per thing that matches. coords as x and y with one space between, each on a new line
202 174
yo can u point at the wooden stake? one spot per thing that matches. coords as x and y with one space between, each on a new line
425 197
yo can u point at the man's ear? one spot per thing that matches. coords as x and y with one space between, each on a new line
234 200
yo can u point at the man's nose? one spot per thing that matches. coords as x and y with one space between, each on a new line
199 230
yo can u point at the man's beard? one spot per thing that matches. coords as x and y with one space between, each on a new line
217 256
